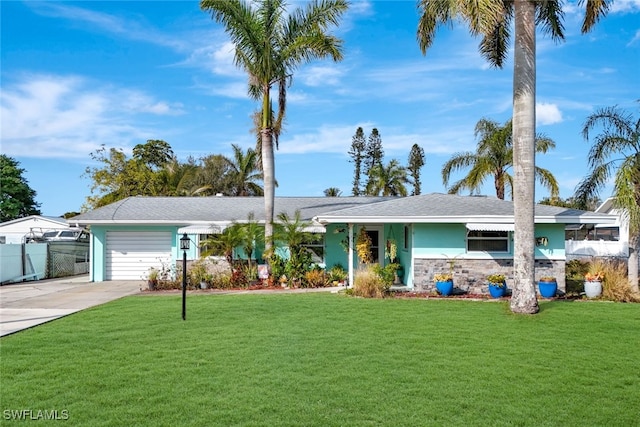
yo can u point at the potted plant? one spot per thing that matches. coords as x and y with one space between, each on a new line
444 283
497 285
548 286
593 283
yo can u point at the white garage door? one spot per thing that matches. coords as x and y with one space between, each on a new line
129 255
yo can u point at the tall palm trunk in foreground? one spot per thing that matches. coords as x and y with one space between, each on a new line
524 298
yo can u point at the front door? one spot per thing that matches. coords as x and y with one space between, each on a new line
376 250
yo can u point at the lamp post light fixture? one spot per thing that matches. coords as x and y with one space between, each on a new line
184 247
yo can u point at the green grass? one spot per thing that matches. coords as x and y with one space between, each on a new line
329 360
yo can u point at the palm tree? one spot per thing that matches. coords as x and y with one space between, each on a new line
293 232
252 235
245 172
224 243
269 46
332 192
177 179
494 157
492 21
389 180
616 152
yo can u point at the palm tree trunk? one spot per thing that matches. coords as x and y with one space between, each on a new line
268 170
524 299
499 185
634 246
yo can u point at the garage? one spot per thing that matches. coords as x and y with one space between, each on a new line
129 255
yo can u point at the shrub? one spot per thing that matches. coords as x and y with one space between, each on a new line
337 274
387 274
221 280
368 284
574 274
315 279
239 279
616 285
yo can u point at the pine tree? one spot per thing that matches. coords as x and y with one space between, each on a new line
358 146
373 154
416 162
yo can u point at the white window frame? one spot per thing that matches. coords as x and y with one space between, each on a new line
506 238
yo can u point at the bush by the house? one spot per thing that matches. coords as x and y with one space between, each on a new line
368 284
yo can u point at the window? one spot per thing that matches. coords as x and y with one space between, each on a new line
487 241
316 249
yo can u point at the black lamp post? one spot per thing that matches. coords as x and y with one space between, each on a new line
184 246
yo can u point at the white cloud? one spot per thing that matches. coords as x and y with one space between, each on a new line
320 76
112 24
67 116
547 114
625 6
337 139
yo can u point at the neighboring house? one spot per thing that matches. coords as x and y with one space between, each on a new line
36 247
473 235
599 240
21 229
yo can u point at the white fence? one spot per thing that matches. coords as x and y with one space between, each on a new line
599 248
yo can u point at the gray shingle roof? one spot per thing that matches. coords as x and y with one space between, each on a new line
452 208
434 207
183 210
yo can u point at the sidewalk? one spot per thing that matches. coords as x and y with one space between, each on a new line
27 304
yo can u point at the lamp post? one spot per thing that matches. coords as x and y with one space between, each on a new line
184 246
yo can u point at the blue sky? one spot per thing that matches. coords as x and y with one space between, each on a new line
76 75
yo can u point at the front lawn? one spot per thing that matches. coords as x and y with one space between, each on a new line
328 360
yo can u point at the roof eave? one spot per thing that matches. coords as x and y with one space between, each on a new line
497 219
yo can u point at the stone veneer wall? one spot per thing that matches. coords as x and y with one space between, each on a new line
470 274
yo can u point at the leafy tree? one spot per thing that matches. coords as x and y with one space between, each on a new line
373 154
245 173
388 180
616 153
357 153
332 192
269 45
155 153
494 157
213 176
119 177
416 162
492 21
17 199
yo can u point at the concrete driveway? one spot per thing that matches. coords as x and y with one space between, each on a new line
27 304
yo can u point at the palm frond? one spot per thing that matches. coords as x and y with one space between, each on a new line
548 181
595 10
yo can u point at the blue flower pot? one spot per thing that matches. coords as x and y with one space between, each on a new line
548 289
497 291
445 288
